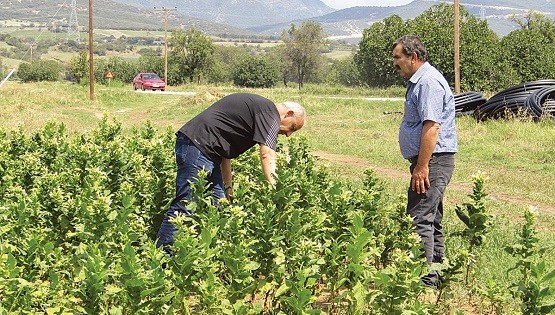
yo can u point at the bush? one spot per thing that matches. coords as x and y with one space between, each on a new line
40 70
255 72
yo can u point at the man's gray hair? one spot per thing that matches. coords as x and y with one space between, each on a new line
298 110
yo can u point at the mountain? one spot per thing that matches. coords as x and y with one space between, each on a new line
253 17
240 13
350 22
107 14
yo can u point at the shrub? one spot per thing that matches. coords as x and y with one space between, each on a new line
40 70
255 72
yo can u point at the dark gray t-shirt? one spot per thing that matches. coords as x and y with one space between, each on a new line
233 125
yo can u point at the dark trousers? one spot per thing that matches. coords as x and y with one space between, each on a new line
190 161
427 209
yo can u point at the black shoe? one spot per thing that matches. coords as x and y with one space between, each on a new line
432 280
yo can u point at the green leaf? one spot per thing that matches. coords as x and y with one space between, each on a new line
549 276
462 216
281 290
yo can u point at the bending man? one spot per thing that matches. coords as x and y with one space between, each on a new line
220 133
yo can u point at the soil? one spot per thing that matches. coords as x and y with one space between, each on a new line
392 173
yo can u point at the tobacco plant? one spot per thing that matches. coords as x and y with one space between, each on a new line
79 215
534 285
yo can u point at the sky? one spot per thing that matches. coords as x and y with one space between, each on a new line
342 4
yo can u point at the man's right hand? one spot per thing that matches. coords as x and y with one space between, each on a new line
229 194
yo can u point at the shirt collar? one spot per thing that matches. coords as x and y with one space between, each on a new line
420 72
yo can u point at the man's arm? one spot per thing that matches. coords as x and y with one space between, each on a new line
420 180
268 161
225 165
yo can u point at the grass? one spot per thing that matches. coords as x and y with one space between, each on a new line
355 133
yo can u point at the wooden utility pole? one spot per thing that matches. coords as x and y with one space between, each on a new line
457 51
91 53
166 12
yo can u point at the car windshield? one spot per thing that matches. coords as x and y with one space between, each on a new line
151 76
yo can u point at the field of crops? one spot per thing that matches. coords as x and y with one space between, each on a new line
79 211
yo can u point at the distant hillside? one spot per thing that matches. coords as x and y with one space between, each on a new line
108 14
253 17
349 23
241 13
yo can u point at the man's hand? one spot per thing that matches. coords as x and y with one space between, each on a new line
420 180
229 193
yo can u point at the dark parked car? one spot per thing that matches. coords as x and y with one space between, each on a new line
148 81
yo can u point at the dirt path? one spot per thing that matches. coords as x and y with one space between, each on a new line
391 173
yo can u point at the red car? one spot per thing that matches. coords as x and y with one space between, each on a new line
148 81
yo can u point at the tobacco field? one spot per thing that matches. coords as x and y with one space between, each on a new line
79 215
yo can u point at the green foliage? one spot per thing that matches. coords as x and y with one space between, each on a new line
40 70
79 66
477 221
533 287
344 72
530 52
226 59
374 57
122 70
255 72
190 54
474 215
303 48
483 67
151 62
2 69
78 216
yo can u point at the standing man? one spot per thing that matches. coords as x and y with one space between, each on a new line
220 133
428 139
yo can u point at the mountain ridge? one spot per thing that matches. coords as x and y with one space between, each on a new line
266 18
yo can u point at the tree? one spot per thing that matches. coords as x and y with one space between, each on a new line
530 50
345 72
303 47
537 21
151 62
278 56
121 69
226 58
373 58
191 52
529 54
79 66
482 66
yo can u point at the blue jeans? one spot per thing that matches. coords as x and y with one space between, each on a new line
190 161
427 209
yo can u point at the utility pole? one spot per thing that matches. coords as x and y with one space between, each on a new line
457 50
166 12
91 53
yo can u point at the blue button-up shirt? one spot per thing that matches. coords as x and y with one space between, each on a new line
428 97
